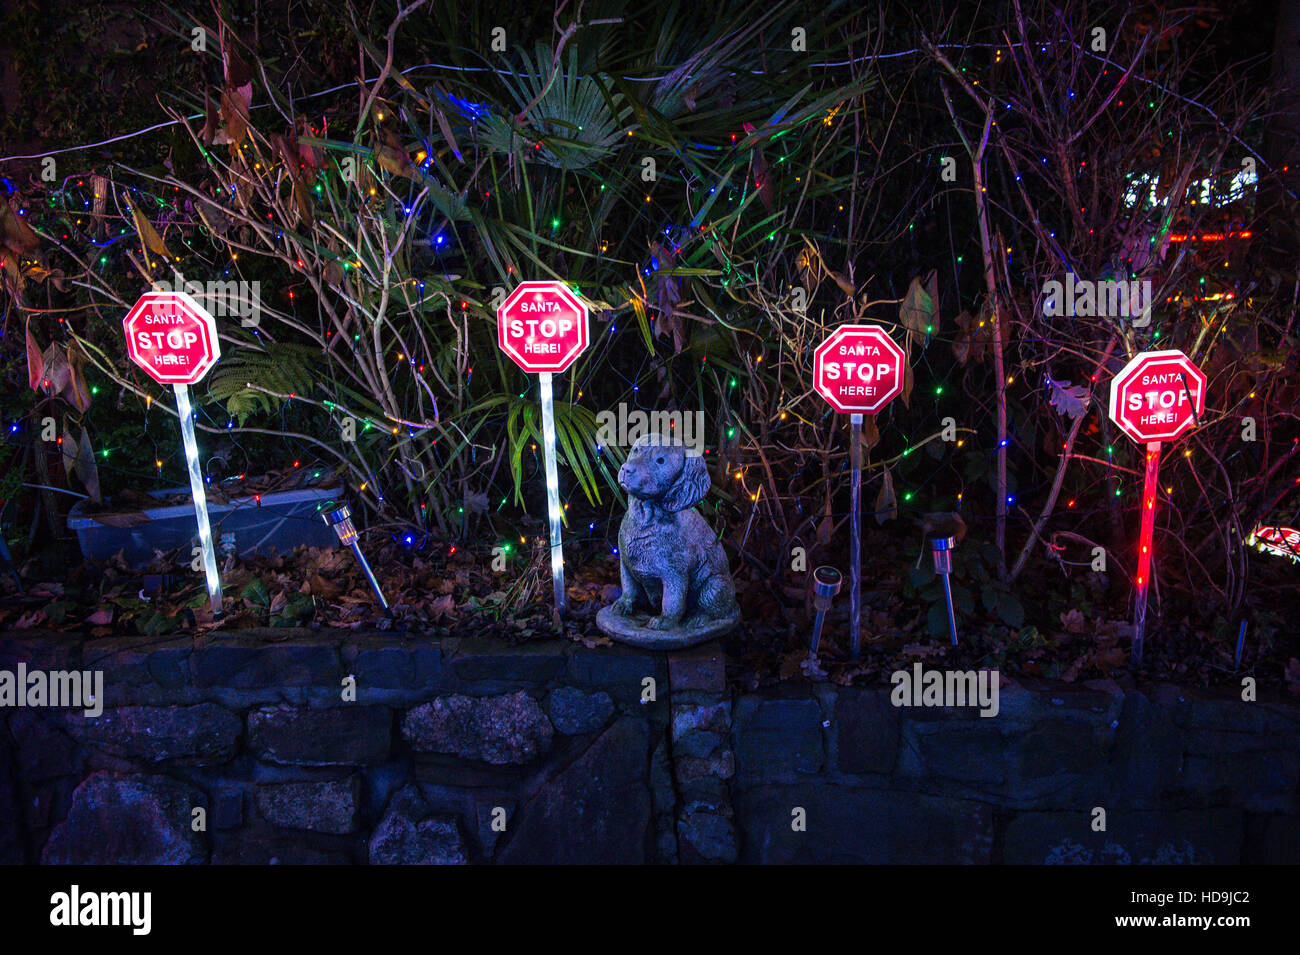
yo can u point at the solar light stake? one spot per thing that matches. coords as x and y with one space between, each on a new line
341 521
542 327
826 584
198 492
855 535
174 339
941 551
553 492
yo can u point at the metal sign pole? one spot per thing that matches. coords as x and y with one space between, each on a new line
855 532
552 491
1150 485
200 496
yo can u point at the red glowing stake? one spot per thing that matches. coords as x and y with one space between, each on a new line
1158 396
1150 483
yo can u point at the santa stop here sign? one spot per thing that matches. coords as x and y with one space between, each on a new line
858 369
542 326
1158 396
172 337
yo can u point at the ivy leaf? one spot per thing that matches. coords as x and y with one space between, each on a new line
1009 610
255 593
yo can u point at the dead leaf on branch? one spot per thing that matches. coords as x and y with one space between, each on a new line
886 500
1070 400
917 310
15 233
870 432
35 360
234 112
149 236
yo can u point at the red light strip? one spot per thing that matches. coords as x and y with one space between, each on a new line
1207 236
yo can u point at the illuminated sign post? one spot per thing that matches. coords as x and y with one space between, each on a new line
542 326
1156 397
858 369
174 339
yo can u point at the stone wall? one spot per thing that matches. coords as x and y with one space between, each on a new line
303 747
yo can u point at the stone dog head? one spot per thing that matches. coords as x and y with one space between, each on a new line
661 470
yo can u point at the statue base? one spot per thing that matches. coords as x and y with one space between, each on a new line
634 630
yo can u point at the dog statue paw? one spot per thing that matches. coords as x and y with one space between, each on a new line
677 588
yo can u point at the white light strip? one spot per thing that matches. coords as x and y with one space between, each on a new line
199 494
552 489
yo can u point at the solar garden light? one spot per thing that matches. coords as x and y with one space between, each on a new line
341 521
941 551
826 584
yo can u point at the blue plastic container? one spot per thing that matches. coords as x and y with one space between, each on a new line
282 521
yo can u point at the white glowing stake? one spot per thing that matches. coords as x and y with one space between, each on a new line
552 490
200 496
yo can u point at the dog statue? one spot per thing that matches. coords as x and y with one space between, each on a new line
672 565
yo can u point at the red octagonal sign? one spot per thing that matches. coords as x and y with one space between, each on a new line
542 326
1157 396
858 369
172 337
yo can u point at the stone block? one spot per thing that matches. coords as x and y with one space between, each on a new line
493 664
774 738
352 735
201 734
861 826
699 669
574 711
410 834
495 729
318 806
596 811
866 730
244 663
128 820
